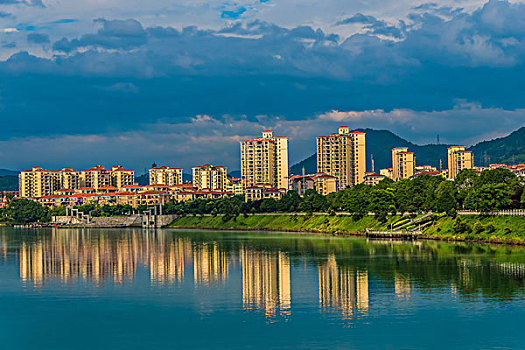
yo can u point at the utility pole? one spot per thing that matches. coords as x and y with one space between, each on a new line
303 182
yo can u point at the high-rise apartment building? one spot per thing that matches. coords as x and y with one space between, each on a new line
164 175
98 176
264 161
210 177
95 177
68 179
39 182
343 155
403 163
121 177
458 159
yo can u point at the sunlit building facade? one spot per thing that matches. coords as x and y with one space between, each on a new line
164 175
403 163
210 177
39 182
343 155
264 161
458 159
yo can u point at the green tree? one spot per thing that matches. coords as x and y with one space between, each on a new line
464 182
489 197
27 211
460 226
495 176
445 197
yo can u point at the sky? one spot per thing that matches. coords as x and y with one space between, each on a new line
182 82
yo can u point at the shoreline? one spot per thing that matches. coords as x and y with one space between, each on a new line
348 234
430 233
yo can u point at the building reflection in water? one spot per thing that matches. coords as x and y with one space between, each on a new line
209 264
266 281
167 260
402 286
74 254
343 289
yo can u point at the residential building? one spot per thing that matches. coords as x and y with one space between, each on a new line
110 198
372 178
164 175
68 178
39 182
95 177
322 183
121 177
264 160
343 155
301 183
325 184
235 186
458 159
387 172
210 177
403 163
255 193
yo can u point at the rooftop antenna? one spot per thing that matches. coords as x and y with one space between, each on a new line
372 159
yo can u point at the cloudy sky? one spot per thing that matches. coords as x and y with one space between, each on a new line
181 82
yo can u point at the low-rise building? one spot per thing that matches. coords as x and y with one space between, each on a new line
256 193
387 172
322 183
372 178
235 186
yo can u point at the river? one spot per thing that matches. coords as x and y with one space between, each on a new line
158 289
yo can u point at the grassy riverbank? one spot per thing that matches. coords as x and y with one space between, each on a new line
501 229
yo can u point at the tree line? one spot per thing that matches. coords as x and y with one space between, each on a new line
497 189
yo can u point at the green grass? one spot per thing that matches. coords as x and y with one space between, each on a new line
507 229
322 223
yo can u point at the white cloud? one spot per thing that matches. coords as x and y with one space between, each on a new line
206 139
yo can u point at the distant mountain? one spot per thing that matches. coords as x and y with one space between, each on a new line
235 173
507 150
379 143
9 183
142 180
4 172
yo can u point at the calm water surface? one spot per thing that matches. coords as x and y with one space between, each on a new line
135 289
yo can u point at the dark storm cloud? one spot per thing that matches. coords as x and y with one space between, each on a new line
126 76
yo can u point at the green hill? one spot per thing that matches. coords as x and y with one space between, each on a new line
9 183
4 172
509 149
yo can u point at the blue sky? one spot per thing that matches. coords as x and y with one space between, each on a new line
181 82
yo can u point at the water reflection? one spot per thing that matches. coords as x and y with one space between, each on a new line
264 267
266 281
210 264
342 288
